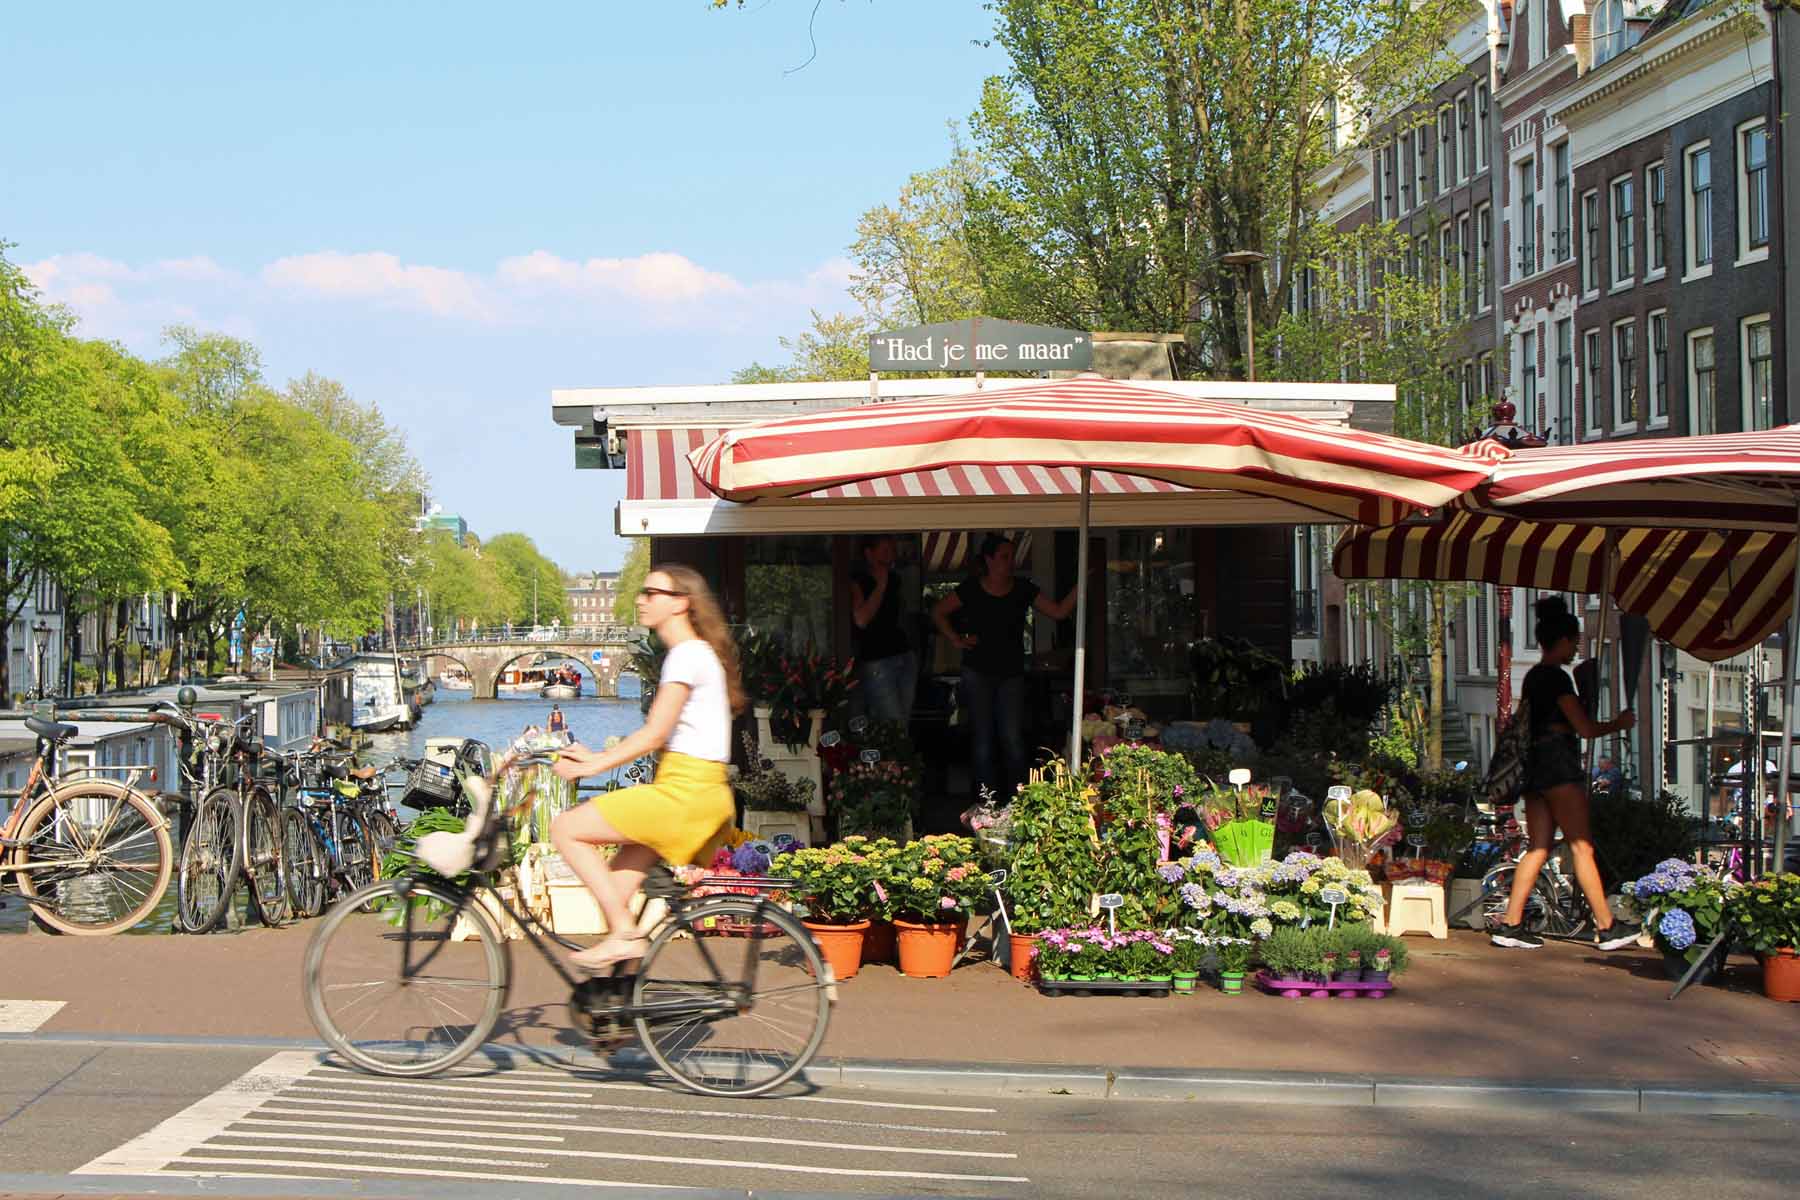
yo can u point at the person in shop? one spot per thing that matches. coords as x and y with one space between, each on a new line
887 668
985 618
1607 776
683 816
1555 783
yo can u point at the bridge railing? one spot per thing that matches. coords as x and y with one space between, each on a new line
565 634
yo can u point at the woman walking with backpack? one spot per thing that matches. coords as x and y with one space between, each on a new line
1555 783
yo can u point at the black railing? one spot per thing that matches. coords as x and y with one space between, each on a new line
1306 612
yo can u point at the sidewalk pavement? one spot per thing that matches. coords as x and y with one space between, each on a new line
1465 1010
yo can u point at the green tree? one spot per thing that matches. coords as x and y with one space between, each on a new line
1134 142
631 578
519 564
914 265
834 347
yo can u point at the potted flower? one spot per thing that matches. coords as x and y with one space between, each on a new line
791 691
935 884
878 940
1382 955
1290 955
1234 959
774 802
1352 971
1765 916
1184 963
1054 870
833 885
873 789
1051 956
1684 909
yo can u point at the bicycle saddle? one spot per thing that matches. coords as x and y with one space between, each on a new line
53 731
364 773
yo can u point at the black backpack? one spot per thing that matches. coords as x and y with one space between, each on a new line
1506 767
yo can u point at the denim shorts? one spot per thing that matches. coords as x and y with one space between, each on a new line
1553 760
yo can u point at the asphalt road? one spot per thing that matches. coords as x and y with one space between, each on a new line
80 1117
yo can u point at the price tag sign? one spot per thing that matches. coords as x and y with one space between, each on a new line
1134 730
997 878
1112 902
1337 792
1415 840
1334 896
1270 806
830 738
871 755
1123 699
1417 816
859 724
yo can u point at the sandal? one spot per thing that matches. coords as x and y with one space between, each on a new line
610 952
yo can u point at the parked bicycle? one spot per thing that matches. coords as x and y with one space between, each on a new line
328 839
731 998
89 856
235 831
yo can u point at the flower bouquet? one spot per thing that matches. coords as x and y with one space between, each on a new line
1683 906
1234 820
1358 822
792 685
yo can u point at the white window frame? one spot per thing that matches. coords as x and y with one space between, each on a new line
1590 235
1562 192
1746 405
1657 373
1622 406
1607 46
1403 173
1465 259
1656 249
1564 423
1692 269
1525 222
1539 20
1695 424
1746 253
1449 300
1622 257
1421 150
1465 142
1591 352
1484 104
1446 161
1528 378
1485 283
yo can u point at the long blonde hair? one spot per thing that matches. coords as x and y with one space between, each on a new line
708 620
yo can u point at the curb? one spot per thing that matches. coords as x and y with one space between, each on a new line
1663 1098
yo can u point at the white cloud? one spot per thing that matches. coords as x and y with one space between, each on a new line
382 278
656 278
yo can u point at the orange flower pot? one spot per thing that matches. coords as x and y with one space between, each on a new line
1781 975
1022 949
842 946
878 943
927 950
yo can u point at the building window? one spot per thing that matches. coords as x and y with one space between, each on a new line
1528 380
1656 191
1484 255
1590 354
1563 419
1608 30
1590 241
1624 390
1703 383
1466 395
1540 31
1527 226
1759 374
1447 285
1563 248
1624 261
1481 126
1465 127
1487 376
1465 264
1406 172
1753 188
1421 155
1699 215
1659 367
1330 122
1446 161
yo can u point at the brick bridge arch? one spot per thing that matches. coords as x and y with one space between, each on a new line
484 661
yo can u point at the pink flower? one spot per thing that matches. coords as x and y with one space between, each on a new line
880 892
946 902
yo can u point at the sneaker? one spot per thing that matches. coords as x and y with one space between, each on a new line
1617 936
1515 937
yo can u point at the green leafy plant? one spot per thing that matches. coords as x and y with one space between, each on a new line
1154 778
879 798
1054 869
791 684
1233 678
1290 953
1631 835
1765 915
835 883
938 878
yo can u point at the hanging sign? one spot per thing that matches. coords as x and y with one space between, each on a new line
981 344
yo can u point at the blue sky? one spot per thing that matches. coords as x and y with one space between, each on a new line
454 208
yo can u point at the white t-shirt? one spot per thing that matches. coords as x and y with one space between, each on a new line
704 728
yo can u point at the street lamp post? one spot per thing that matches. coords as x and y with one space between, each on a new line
40 638
1246 261
143 632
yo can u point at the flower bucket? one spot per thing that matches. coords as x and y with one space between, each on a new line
927 950
878 943
1781 975
1184 984
1231 982
1021 954
841 945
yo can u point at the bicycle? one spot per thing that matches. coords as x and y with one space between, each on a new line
235 832
328 841
89 856
721 975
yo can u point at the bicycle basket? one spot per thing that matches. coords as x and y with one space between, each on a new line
431 785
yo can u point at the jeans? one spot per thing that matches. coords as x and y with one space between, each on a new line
888 685
996 708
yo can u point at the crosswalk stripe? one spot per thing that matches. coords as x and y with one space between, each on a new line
384 1169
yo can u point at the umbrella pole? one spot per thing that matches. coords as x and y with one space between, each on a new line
1081 603
1606 682
1782 764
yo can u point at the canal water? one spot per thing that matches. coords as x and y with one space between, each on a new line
453 714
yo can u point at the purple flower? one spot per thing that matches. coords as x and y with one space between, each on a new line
1194 896
1678 928
1170 872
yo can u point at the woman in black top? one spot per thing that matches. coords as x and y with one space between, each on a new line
991 609
1556 785
884 657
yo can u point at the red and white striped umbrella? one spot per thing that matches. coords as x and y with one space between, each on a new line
1327 474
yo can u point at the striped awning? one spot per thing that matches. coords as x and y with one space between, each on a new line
1712 592
1040 437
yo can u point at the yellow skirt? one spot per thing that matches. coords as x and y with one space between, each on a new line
683 816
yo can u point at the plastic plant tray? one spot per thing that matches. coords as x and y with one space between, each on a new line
1295 988
1103 987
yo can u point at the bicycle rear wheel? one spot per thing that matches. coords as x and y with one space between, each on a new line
746 995
308 873
385 833
211 857
94 857
394 994
265 860
1496 892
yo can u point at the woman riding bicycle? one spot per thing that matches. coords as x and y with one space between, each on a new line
682 816
1556 785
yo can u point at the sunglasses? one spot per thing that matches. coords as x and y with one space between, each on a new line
650 591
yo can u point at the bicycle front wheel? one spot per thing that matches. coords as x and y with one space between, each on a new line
394 994
211 857
1496 892
94 857
307 871
265 860
744 998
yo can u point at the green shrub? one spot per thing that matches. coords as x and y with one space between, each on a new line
1054 869
1632 835
1291 953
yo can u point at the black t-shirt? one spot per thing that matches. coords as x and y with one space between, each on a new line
882 637
1543 690
997 623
